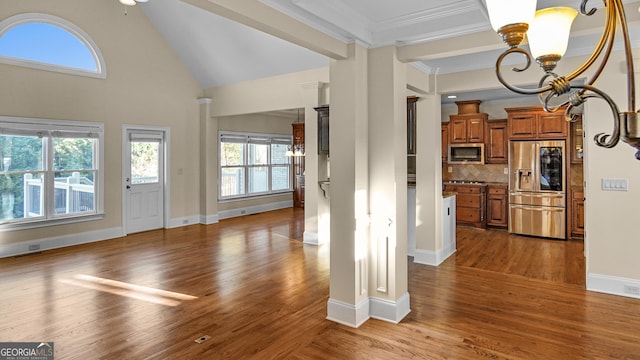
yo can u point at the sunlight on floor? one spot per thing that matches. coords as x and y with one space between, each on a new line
144 293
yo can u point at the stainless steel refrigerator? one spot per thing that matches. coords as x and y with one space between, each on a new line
537 188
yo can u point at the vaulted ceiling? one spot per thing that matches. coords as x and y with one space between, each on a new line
219 51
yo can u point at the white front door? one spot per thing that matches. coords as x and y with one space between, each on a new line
144 180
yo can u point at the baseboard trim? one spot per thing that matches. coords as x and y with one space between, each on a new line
390 311
209 219
51 243
226 214
183 221
310 238
433 258
613 285
348 314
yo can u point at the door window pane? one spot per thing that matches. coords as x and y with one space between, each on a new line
551 168
145 162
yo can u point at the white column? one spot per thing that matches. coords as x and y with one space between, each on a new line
348 135
388 185
208 164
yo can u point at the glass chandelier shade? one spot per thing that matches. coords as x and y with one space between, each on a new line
549 32
509 12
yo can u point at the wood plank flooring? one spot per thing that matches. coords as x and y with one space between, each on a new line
251 285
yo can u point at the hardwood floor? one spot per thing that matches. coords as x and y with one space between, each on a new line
252 286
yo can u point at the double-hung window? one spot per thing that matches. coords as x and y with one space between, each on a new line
253 164
50 171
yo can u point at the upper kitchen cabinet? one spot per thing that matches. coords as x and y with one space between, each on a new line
323 129
496 146
576 141
533 123
411 124
468 125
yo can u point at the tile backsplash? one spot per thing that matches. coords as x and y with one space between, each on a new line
487 172
495 173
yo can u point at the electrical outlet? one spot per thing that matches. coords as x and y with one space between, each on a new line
634 290
506 171
185 222
34 247
450 169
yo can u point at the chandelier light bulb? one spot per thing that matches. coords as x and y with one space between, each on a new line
549 32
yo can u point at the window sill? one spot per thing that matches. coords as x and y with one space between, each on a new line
228 200
51 222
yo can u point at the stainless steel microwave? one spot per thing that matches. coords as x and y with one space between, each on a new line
466 154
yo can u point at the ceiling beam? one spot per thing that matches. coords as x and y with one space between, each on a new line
456 46
259 16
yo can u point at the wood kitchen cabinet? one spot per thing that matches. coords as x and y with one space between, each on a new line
470 203
577 213
497 205
467 128
576 142
496 145
298 166
533 123
323 129
445 141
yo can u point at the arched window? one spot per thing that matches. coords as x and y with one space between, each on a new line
51 43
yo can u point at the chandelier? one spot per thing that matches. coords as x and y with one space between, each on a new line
131 2
297 149
547 31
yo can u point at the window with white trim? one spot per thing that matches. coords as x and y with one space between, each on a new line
50 171
253 165
47 42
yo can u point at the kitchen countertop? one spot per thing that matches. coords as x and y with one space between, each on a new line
476 183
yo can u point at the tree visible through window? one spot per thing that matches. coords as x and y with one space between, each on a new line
35 186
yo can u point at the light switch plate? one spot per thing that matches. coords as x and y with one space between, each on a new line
615 184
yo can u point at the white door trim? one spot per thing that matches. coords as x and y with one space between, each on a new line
167 180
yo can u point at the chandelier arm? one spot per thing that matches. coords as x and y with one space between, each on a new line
583 9
601 139
608 37
513 88
631 92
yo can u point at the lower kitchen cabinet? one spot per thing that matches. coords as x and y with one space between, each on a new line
577 213
470 203
497 205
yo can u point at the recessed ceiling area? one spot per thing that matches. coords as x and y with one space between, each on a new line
219 51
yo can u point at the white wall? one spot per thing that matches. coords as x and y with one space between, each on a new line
146 84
